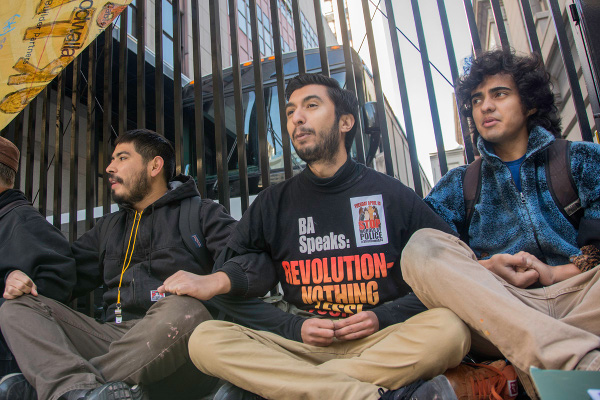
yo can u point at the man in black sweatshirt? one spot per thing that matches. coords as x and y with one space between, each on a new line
36 257
66 355
335 233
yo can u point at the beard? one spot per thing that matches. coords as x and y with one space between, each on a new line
325 149
139 187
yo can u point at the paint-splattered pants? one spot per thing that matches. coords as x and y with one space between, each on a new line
59 349
553 327
277 368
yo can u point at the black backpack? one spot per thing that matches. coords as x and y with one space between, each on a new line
560 182
189 227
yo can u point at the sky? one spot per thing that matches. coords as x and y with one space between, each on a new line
413 68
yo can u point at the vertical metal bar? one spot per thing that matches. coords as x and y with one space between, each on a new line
534 43
454 72
91 175
410 133
260 100
199 98
383 126
219 102
239 105
435 117
45 133
177 100
123 72
141 63
321 36
567 56
58 149
475 40
74 164
497 11
350 80
90 172
579 28
298 34
18 141
30 149
285 137
159 87
107 114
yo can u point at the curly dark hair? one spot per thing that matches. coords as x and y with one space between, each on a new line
344 100
531 79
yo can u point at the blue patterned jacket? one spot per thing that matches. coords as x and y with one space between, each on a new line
508 221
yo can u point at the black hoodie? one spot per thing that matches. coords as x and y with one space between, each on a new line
159 250
30 244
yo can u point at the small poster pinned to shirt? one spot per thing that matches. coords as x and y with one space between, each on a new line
369 220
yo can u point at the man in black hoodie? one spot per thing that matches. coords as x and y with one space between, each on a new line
36 257
143 340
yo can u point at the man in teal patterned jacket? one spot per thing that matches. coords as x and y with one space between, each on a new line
526 280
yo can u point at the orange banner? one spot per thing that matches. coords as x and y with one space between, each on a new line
38 39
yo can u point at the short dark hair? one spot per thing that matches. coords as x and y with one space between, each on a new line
150 144
7 176
344 100
532 81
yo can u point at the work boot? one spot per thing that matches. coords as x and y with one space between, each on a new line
16 387
496 380
108 391
232 392
437 388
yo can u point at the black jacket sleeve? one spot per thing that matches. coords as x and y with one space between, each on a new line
217 225
398 310
248 264
257 314
37 248
238 267
86 252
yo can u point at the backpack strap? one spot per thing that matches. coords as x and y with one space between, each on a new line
471 192
560 180
11 206
191 232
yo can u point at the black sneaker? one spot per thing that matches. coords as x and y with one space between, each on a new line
16 387
232 392
438 388
108 391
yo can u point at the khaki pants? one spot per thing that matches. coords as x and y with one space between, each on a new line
59 349
276 368
552 327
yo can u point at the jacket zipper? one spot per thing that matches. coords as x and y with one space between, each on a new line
524 203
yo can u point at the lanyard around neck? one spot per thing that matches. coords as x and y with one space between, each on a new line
127 260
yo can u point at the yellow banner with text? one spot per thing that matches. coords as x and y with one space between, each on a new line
39 38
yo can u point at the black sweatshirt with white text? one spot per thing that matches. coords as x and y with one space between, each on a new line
335 244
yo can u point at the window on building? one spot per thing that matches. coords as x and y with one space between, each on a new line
243 22
131 20
167 22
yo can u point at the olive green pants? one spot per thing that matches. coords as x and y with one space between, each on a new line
59 349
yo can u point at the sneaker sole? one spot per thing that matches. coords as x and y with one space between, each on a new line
117 391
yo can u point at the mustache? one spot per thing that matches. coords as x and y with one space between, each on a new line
309 131
115 178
